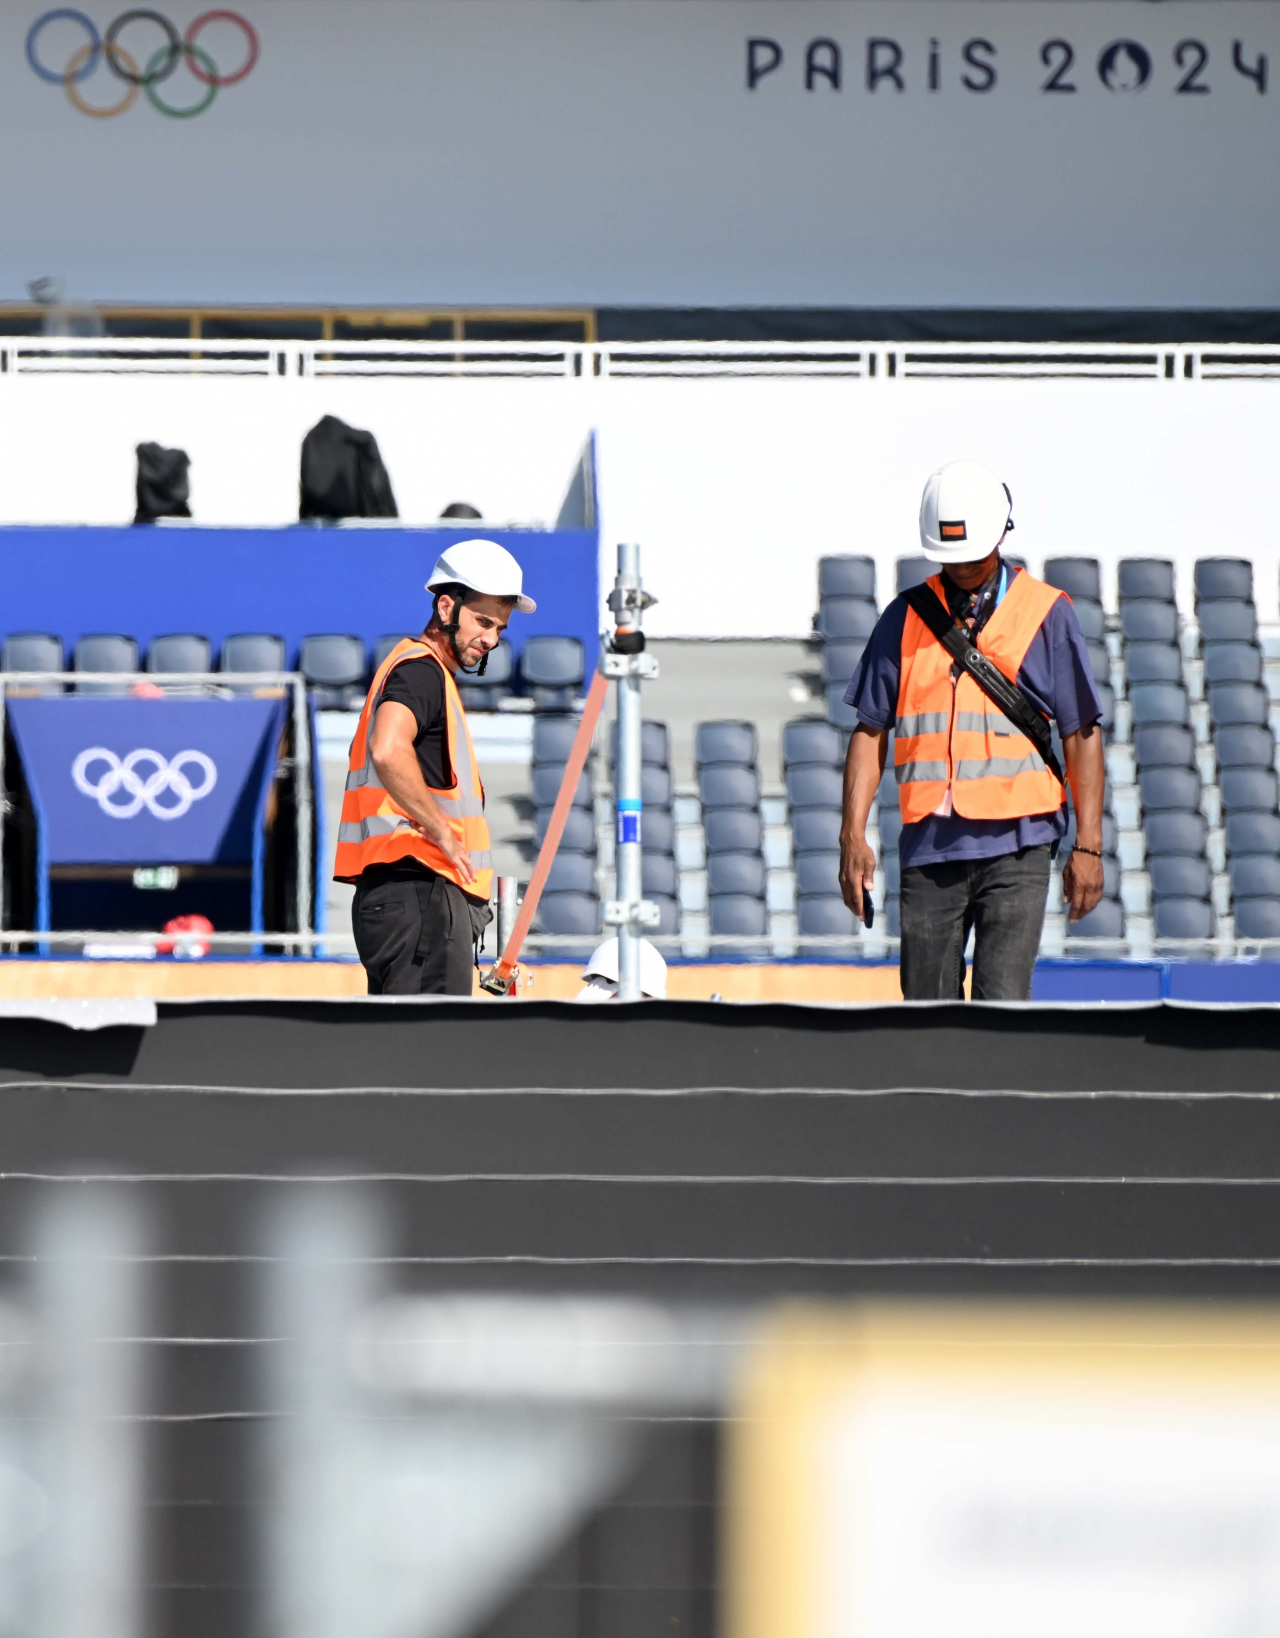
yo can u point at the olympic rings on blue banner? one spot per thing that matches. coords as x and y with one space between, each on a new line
159 66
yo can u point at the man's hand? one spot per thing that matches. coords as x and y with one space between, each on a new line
857 872
450 844
1081 884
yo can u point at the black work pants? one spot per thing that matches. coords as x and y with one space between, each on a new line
1002 900
414 937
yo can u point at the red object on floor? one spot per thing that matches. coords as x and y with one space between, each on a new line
185 945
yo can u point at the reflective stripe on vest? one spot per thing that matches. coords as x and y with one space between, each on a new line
949 735
375 831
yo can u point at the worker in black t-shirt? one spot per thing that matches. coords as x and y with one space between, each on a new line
413 836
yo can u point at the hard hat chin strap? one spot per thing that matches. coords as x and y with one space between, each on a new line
451 631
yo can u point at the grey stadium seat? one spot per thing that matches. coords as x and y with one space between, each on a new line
826 915
839 714
1110 878
891 918
1106 920
655 786
842 618
1248 789
572 873
892 867
1257 918
655 744
1107 700
658 874
733 830
815 787
847 577
1176 876
1158 702
32 651
914 571
552 669
1232 703
1169 788
1218 577
569 913
1183 918
723 787
547 778
815 830
1099 661
1253 833
1092 620
1246 745
839 662
553 737
1255 876
1144 620
1152 662
107 651
735 873
1232 663
809 740
333 665
732 744
1079 577
1176 832
818 872
252 651
1164 745
184 651
658 832
579 834
384 645
1227 622
668 912
887 790
738 913
890 827
1146 577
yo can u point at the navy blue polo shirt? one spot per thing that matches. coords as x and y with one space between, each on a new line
1055 676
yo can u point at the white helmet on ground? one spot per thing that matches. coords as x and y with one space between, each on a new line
965 513
482 566
653 969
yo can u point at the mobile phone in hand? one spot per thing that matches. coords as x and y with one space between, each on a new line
868 910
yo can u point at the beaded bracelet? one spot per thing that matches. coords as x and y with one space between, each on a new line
1093 852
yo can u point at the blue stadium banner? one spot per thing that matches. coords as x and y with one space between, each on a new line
122 781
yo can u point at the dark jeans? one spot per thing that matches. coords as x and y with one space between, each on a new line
1003 901
414 936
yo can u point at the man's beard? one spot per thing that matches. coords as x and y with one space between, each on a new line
478 671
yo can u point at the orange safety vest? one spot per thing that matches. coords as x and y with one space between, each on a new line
949 734
374 831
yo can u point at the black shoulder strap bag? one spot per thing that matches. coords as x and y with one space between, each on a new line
988 676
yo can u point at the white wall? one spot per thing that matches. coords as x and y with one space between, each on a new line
550 151
733 488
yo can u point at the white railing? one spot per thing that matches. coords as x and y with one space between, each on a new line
587 361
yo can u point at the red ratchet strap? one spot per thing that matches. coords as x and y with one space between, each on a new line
498 980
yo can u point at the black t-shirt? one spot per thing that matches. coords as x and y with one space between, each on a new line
419 684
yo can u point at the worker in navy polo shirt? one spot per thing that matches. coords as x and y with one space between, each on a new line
983 813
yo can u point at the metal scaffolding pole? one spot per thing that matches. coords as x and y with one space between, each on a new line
627 662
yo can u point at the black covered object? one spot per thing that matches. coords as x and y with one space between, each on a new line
164 488
343 475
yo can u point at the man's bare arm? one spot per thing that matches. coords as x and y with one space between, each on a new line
862 769
400 774
1086 772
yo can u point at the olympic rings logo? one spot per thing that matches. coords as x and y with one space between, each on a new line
122 775
159 66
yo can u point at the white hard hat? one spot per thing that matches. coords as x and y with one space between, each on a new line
965 513
653 969
483 566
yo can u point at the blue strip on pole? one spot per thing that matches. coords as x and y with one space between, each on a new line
628 820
